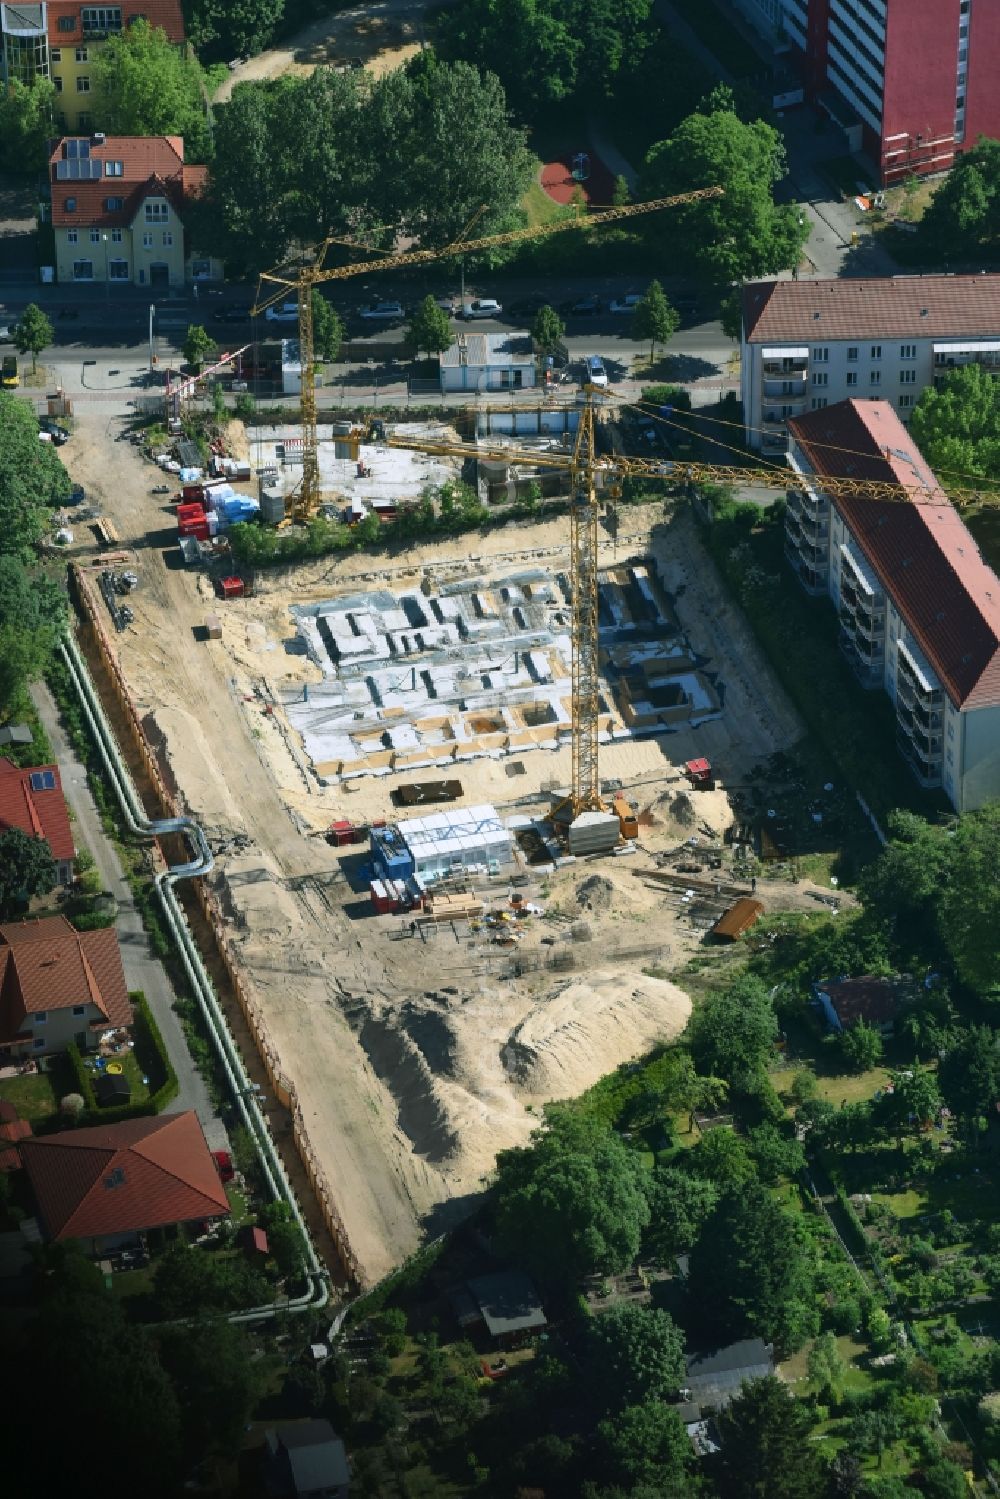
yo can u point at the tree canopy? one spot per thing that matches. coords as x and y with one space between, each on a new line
27 868
635 1353
765 1446
419 150
546 51
969 1074
26 114
147 86
732 1032
744 233
751 1270
654 319
429 329
32 479
963 217
32 615
573 1203
957 427
232 28
32 332
647 1443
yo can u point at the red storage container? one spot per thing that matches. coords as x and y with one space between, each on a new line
340 833
192 492
380 898
232 588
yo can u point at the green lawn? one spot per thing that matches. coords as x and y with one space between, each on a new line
33 1097
540 208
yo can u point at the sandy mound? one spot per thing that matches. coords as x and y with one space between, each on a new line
595 893
588 1027
190 770
684 814
252 896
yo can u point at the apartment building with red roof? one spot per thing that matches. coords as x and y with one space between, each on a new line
918 608
58 985
119 204
108 1184
62 39
31 800
809 344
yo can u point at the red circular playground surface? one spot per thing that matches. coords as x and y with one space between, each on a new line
558 182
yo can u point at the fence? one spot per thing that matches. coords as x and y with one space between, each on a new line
282 1086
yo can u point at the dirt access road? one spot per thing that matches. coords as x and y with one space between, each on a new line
384 35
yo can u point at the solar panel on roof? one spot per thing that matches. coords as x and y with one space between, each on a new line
43 780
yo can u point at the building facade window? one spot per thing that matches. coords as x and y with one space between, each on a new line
79 1009
852 353
40 1017
69 204
81 54
114 205
820 377
852 377
99 20
114 169
821 355
83 270
147 241
168 238
72 236
66 23
55 54
117 270
905 402
58 84
876 351
157 211
907 351
83 84
116 236
875 378
818 402
95 236
907 377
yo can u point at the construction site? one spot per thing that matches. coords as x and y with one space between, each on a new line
468 797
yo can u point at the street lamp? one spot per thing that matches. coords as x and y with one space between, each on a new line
107 272
152 313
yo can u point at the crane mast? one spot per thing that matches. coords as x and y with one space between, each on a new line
585 791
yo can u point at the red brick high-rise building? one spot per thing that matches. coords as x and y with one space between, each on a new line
922 77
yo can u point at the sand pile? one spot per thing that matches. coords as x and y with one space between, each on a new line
595 893
685 814
190 770
589 1026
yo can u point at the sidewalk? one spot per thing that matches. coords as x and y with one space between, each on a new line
142 970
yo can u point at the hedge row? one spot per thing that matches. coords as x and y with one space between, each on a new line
147 1030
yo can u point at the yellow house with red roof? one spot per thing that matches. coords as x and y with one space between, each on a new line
118 211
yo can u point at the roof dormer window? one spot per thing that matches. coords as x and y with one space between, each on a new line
70 205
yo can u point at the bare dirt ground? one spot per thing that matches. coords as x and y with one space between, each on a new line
384 35
416 1058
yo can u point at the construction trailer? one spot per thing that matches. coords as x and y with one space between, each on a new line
443 843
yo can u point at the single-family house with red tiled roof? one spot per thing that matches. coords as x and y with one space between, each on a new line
62 40
918 608
32 800
58 985
108 1184
13 1129
119 204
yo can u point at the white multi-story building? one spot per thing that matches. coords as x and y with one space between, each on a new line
809 344
919 610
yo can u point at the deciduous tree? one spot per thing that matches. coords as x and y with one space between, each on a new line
732 1032
957 424
26 116
573 1203
548 329
32 333
861 1046
27 868
679 1203
635 1353
969 1075
32 615
654 319
147 86
752 1271
32 479
328 330
744 233
429 329
647 1443
196 345
970 901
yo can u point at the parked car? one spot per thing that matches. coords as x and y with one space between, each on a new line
283 312
482 307
584 306
594 371
383 312
232 314
7 332
527 306
448 305
625 304
58 434
77 495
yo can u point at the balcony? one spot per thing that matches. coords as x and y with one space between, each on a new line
774 369
865 663
926 768
912 694
791 387
812 580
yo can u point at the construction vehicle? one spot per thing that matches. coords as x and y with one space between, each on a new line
276 284
181 390
628 821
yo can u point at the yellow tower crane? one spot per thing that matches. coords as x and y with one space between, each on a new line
275 286
592 478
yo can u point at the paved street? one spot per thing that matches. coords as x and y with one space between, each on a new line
142 970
